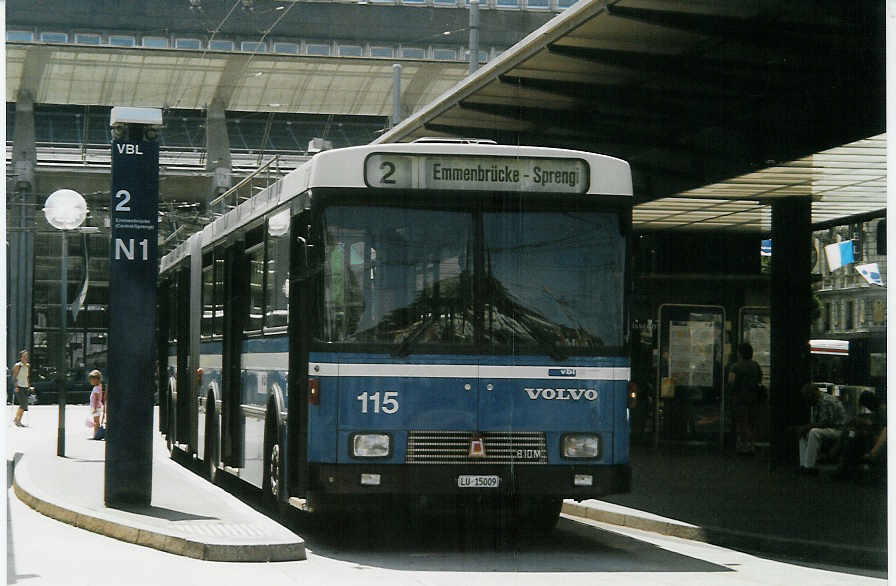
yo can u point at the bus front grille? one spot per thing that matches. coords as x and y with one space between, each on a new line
456 447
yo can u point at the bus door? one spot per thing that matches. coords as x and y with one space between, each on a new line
236 294
164 309
300 324
184 384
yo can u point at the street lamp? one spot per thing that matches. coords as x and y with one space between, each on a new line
65 210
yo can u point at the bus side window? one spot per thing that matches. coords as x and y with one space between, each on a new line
277 278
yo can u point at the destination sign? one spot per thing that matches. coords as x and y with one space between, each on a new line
468 173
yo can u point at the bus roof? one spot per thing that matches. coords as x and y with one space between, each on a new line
345 168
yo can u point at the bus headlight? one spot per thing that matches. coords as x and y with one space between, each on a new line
580 445
371 445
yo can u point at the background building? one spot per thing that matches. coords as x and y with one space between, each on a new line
243 84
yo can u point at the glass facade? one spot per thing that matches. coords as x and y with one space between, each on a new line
87 291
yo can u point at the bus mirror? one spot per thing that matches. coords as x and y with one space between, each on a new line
303 244
305 250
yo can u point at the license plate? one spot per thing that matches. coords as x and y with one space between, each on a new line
478 481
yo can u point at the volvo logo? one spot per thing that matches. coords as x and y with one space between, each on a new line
561 394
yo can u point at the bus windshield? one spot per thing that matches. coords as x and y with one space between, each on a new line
428 280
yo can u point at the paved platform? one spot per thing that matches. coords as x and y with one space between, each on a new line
740 502
187 516
693 493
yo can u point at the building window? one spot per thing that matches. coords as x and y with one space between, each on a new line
290 48
413 53
187 44
155 42
87 38
827 317
879 312
350 51
19 36
54 37
565 3
862 319
122 40
388 52
540 4
317 49
507 3
444 54
850 315
220 45
445 2
253 46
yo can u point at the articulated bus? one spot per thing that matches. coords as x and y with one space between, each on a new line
438 319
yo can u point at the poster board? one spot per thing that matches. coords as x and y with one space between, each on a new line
755 327
690 382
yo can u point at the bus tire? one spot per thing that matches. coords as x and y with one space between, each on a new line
273 482
211 440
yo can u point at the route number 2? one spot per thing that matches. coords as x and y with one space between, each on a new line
123 206
389 169
389 404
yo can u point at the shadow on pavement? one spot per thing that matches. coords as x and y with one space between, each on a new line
412 542
164 513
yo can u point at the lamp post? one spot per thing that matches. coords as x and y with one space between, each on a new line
65 210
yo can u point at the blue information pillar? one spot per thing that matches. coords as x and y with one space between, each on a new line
133 272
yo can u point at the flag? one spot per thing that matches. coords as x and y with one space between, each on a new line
765 248
871 273
839 254
78 303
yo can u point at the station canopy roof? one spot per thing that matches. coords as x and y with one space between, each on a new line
720 107
260 82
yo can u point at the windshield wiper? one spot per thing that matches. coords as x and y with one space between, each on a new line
404 349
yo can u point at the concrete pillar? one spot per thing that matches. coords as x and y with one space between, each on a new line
791 303
217 145
21 226
396 93
474 37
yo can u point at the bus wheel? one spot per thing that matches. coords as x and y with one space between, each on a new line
272 485
211 441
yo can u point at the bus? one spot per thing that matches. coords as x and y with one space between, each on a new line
428 320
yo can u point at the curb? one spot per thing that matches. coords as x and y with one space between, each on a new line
154 538
818 551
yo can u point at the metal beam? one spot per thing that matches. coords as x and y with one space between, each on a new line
854 219
687 70
776 33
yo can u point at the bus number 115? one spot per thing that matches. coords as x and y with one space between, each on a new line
388 405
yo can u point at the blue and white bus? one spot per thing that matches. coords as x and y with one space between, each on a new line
432 319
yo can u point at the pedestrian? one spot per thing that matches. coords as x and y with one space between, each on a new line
97 403
745 377
859 435
826 420
21 374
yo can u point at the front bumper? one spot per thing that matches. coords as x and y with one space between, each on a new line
427 479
